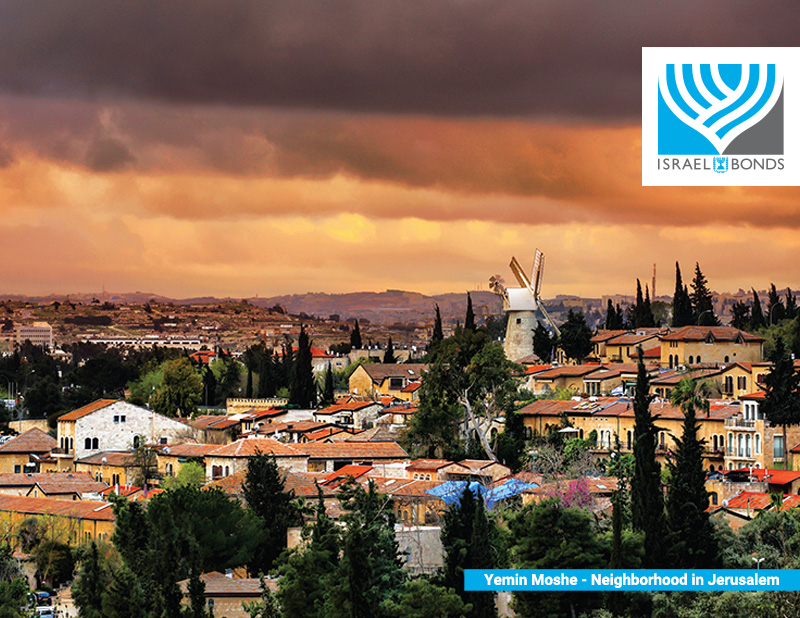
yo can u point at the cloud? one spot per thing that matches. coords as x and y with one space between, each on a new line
557 58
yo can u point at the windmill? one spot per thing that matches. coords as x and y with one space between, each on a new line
521 304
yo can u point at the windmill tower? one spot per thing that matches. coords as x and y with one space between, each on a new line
521 304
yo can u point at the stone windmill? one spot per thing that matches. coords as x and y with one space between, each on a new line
521 304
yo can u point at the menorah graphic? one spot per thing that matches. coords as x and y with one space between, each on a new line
720 101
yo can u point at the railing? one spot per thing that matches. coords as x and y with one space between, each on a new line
744 453
740 423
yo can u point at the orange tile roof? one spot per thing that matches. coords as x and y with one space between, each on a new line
428 464
380 372
631 339
716 333
347 471
247 447
411 387
32 441
187 449
354 450
350 406
87 409
750 499
773 477
122 459
53 482
77 509
652 352
605 335
121 490
567 371
536 369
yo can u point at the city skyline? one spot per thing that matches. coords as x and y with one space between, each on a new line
197 149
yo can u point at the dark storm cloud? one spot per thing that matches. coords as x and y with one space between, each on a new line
108 154
550 57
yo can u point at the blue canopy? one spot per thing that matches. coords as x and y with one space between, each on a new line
450 492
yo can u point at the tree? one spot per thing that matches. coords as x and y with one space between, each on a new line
181 390
468 537
756 314
369 570
469 320
781 405
681 303
647 499
302 389
328 397
510 447
775 309
355 338
542 343
267 380
438 333
190 473
124 597
791 305
420 598
576 336
388 355
740 315
228 373
692 538
265 495
267 607
702 302
88 587
549 536
209 387
145 462
648 319
613 319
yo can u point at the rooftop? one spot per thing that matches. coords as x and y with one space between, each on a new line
32 441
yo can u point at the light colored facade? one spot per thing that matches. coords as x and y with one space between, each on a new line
109 425
38 333
693 345
375 380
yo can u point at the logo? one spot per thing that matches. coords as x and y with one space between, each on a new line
719 102
720 116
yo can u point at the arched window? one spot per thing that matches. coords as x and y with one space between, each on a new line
227 471
95 443
722 443
740 443
758 444
714 443
670 361
714 498
71 444
136 441
580 434
727 359
691 360
747 445
698 360
87 444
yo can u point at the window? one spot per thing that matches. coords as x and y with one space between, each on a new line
169 469
87 444
729 385
95 444
691 360
395 383
758 444
122 418
17 469
777 449
162 440
115 479
741 383
71 444
227 471
714 499
116 418
136 441
727 359
698 360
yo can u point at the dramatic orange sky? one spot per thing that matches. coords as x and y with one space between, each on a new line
250 147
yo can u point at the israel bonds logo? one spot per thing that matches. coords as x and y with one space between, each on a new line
715 116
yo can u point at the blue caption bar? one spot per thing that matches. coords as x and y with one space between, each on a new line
554 580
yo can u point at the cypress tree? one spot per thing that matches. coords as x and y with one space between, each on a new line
647 498
692 539
542 343
209 387
775 309
702 303
647 311
328 397
249 388
303 389
781 404
611 316
681 303
620 324
469 320
355 338
791 305
388 355
756 315
438 333
638 308
266 375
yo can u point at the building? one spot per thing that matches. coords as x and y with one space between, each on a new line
39 334
112 425
354 414
225 594
693 345
28 452
60 485
373 380
68 521
232 458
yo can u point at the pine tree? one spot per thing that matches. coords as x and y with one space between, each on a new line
576 336
611 316
647 499
124 597
756 315
681 303
328 397
90 584
775 309
469 320
702 302
265 493
692 538
388 355
648 319
266 375
303 389
781 405
542 343
791 305
355 338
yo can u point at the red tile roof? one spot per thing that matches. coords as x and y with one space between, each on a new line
87 409
348 471
219 585
380 372
247 447
773 477
428 464
32 441
122 459
716 333
53 482
121 490
750 499
187 449
536 369
652 352
353 450
77 509
567 371
411 387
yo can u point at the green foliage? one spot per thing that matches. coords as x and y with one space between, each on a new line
781 405
228 377
13 595
692 540
124 597
469 538
180 391
543 343
510 445
355 338
756 314
469 319
302 388
388 355
614 320
576 336
438 333
92 581
702 302
267 607
549 536
190 473
647 499
420 598
265 495
727 604
740 315
681 302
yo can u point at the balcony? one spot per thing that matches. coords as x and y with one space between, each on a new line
743 453
739 423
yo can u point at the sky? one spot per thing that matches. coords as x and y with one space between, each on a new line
254 147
